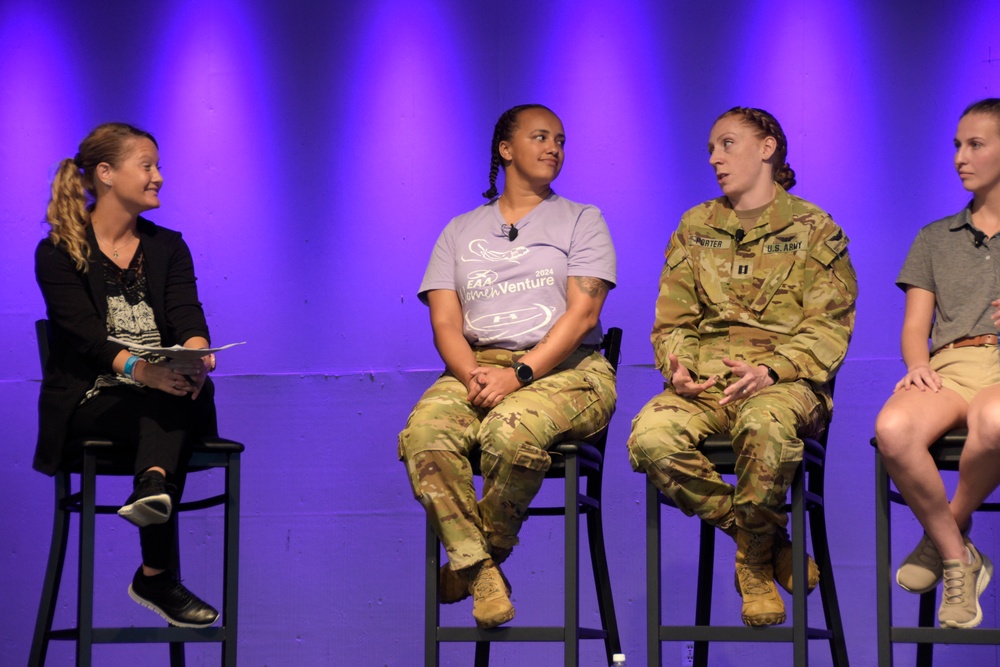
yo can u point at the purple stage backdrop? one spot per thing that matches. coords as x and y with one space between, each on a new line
313 151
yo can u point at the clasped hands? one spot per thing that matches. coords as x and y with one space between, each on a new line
177 377
750 379
488 385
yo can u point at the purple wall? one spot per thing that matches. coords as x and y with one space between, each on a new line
313 151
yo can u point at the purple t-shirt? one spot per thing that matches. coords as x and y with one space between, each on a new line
512 292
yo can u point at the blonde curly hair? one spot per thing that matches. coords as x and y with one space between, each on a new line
73 187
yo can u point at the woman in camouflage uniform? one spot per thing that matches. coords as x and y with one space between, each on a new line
753 319
515 289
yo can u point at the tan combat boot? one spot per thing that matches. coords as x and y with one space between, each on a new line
453 585
490 603
782 560
761 603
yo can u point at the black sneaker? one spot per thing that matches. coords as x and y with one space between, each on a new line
150 501
169 598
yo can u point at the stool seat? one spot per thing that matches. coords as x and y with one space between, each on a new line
807 497
946 452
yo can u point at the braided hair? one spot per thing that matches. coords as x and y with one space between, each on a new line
74 190
504 131
767 126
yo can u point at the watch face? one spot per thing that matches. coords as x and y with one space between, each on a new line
524 373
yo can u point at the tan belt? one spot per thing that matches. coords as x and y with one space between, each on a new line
972 341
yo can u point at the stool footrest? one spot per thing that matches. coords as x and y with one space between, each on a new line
536 633
945 636
735 633
145 635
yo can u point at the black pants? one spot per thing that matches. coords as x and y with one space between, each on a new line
160 430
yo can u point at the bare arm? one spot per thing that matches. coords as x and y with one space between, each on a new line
917 320
584 300
446 321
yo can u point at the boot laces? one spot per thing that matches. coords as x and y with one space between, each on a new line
487 584
753 576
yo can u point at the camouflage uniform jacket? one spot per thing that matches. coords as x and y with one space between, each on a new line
784 296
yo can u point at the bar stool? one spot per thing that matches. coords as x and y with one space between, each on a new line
807 496
571 461
100 457
946 453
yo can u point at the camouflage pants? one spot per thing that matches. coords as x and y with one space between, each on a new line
765 430
575 401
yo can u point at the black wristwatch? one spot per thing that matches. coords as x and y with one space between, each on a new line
523 372
771 374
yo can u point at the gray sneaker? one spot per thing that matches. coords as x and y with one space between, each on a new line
922 569
963 584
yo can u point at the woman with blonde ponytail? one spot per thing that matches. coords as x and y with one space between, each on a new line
105 271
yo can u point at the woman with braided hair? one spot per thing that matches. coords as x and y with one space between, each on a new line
753 318
515 289
104 271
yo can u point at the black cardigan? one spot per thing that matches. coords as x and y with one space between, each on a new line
77 308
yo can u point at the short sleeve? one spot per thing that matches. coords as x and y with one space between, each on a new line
440 273
591 251
917 270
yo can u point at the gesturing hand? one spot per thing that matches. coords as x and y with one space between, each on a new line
683 383
751 379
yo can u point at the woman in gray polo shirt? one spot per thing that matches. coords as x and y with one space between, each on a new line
952 283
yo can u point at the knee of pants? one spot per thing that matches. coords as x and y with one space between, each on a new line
768 419
430 469
502 434
419 437
495 460
655 437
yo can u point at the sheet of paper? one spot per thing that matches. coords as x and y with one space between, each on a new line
175 352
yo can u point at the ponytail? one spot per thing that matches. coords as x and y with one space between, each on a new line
67 213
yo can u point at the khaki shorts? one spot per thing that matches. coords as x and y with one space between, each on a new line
967 370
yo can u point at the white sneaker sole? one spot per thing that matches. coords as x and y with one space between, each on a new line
152 607
147 511
985 574
918 591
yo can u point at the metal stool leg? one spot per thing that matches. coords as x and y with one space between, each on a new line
431 612
654 648
703 601
883 561
53 572
800 610
85 593
926 616
602 582
827 585
230 562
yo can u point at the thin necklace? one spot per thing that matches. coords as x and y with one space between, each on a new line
114 250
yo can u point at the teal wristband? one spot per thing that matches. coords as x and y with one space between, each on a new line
130 366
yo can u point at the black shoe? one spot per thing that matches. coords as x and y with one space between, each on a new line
150 501
169 598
